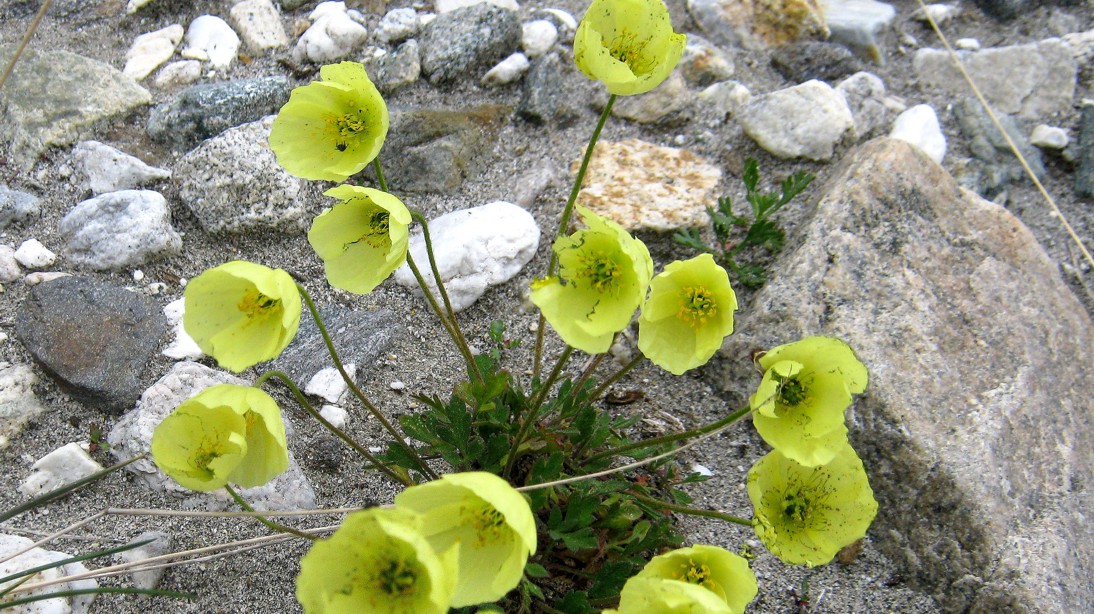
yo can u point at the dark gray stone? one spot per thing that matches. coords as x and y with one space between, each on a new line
999 165
1084 170
1005 10
95 339
466 42
360 337
539 101
206 110
975 426
815 60
16 206
431 150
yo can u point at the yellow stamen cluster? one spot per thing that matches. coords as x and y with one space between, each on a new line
696 574
796 508
599 270
350 124
792 392
397 578
627 48
255 304
697 305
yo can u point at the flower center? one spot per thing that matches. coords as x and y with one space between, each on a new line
696 306
791 391
629 49
350 125
254 304
697 574
488 523
397 578
599 270
796 508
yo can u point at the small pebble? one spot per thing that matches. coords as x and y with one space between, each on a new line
968 44
33 255
1049 137
138 275
397 385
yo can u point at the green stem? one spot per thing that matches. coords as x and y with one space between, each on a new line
303 401
533 412
455 332
615 378
376 413
564 220
657 441
269 523
599 358
379 173
691 511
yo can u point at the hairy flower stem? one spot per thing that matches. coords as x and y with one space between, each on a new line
564 221
657 441
303 401
453 325
615 378
690 511
533 410
274 526
372 409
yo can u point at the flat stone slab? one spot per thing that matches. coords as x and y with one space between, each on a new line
976 426
55 98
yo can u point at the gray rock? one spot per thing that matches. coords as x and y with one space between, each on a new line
56 97
656 105
758 24
1084 170
161 544
16 206
394 70
132 435
865 96
1032 81
108 169
203 111
359 336
398 25
289 5
120 229
259 25
475 249
806 120
539 99
703 64
973 427
999 165
95 339
1004 10
808 60
18 404
857 24
435 150
467 41
234 184
528 186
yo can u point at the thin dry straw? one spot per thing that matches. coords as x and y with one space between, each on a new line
1010 143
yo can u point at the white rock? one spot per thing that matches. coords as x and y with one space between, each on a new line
132 435
725 97
17 401
37 557
508 70
335 415
119 230
569 24
328 384
9 267
211 39
150 50
183 346
537 37
259 23
397 386
940 13
40 277
856 23
62 466
109 169
865 96
1049 137
806 120
33 255
398 25
1082 46
333 35
138 275
702 470
327 8
968 44
134 5
919 126
160 545
182 72
475 249
445 6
